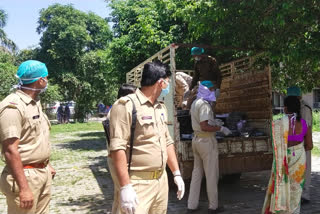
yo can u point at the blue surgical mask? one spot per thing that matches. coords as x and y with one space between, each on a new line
165 91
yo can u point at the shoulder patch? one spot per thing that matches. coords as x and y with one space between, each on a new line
12 106
124 100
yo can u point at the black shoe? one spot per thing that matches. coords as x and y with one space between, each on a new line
304 201
192 210
218 210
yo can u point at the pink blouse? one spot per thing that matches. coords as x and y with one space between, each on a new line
299 137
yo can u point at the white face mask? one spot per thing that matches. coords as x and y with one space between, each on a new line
42 90
197 58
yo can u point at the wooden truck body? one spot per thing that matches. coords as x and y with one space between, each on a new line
244 88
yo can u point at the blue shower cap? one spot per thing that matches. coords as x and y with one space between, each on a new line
207 83
31 70
294 91
197 51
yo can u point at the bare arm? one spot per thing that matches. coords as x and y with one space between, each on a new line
172 158
120 164
13 160
308 144
208 128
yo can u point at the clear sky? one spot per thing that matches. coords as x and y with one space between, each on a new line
23 17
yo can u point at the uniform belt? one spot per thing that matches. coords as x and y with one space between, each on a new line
203 134
36 165
143 175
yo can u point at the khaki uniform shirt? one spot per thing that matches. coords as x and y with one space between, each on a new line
151 136
22 117
207 69
306 113
201 111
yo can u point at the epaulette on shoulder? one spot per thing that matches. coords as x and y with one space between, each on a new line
12 105
124 100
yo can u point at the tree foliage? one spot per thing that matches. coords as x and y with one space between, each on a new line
141 28
70 45
7 73
4 40
286 31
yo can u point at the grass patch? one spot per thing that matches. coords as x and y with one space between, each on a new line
315 151
316 121
74 127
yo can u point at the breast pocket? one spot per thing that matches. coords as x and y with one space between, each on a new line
145 127
34 126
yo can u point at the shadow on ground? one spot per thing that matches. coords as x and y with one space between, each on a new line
86 144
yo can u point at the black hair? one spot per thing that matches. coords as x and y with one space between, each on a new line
126 89
293 105
153 71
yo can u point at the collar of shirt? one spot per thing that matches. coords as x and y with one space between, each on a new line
143 99
25 97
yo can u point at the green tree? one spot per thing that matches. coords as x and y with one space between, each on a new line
141 28
286 31
3 36
69 40
7 73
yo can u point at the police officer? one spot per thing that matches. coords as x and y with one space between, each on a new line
144 190
306 114
24 137
205 148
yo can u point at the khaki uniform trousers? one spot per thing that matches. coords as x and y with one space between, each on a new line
39 181
152 196
306 189
206 160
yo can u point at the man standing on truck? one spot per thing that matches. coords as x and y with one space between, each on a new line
306 114
24 136
205 149
143 180
205 68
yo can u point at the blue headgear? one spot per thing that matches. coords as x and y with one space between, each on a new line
31 70
207 83
294 91
197 51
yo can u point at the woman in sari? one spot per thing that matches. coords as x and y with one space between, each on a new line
289 140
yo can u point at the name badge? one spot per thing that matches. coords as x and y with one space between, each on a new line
146 117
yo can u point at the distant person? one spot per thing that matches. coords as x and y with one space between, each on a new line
306 114
143 180
24 137
290 137
67 113
124 90
59 114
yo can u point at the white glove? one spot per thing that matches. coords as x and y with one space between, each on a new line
225 130
180 184
128 199
217 92
215 122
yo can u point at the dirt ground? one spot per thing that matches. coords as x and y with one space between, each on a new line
83 183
